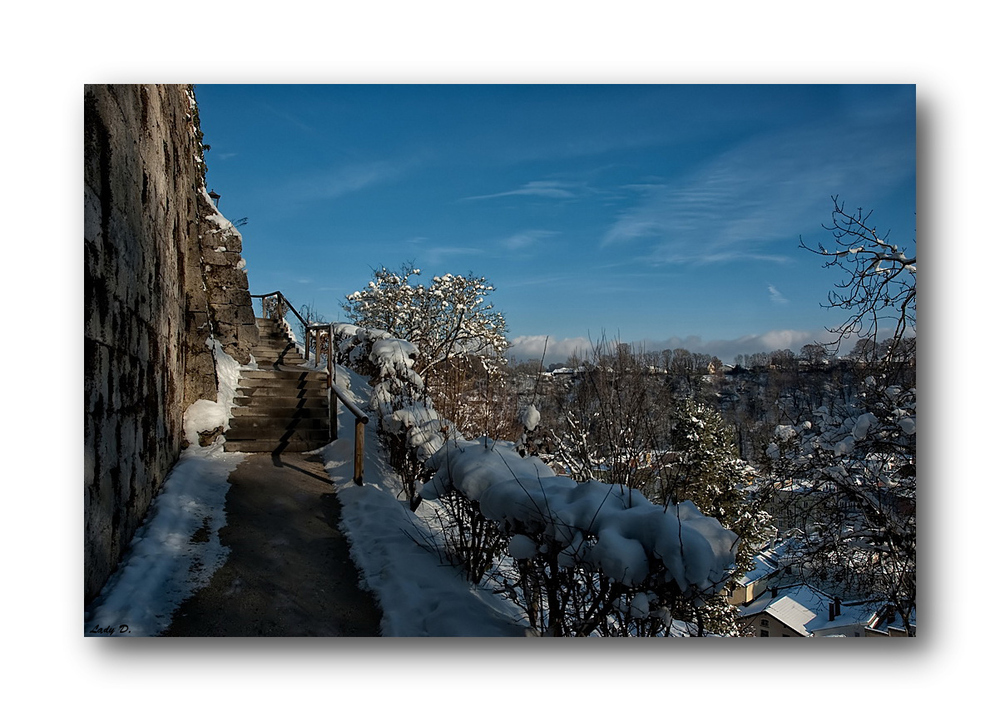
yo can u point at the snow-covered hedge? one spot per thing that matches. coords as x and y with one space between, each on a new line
595 525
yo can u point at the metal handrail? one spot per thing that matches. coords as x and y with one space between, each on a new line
334 393
284 301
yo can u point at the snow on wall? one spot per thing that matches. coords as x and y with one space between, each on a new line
204 416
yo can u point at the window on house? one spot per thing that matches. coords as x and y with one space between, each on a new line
764 633
764 622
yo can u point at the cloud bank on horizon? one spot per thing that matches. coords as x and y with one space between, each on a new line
552 350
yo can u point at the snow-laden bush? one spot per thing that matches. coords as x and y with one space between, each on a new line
407 421
586 557
460 336
595 524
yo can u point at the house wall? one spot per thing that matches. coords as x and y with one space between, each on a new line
774 627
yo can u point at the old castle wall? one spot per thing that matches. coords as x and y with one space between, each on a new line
162 275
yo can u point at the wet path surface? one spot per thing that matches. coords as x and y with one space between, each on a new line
289 571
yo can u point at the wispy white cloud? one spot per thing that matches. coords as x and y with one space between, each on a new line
526 239
287 117
435 254
343 180
537 188
769 189
776 296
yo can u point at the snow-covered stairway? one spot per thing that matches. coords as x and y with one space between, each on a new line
279 407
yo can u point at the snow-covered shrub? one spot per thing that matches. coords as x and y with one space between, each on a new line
586 558
449 317
407 420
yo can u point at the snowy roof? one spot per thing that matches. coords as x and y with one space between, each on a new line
762 568
806 610
792 613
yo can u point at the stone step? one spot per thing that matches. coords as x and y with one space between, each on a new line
243 425
275 350
306 375
275 345
268 411
281 382
269 363
282 391
277 403
289 368
244 430
272 446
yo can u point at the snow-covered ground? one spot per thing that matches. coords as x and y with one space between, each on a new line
174 553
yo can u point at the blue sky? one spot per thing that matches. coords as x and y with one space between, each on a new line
667 215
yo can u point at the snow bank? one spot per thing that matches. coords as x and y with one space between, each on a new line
177 549
204 416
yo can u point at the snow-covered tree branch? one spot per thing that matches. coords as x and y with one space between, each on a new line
880 288
449 317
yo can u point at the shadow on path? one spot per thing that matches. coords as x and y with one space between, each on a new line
289 571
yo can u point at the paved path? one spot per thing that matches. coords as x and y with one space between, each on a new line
288 572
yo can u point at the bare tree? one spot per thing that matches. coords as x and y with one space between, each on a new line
880 288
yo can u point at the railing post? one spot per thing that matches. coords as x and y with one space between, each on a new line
331 396
359 451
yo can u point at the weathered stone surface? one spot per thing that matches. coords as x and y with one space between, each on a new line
150 303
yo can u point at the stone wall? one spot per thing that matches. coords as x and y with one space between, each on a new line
154 294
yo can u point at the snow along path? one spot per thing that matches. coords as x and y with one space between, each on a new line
289 571
175 551
179 550
239 545
420 594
